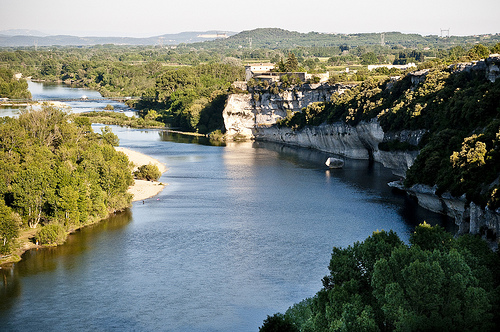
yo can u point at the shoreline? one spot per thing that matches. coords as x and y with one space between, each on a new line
141 190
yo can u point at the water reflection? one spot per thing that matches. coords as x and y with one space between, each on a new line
50 259
240 232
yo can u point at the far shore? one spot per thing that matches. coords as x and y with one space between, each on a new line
140 190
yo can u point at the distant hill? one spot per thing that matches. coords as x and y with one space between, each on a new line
279 38
8 39
22 32
271 38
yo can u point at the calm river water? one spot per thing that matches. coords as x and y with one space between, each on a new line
242 231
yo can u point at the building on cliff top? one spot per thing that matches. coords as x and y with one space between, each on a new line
263 72
257 69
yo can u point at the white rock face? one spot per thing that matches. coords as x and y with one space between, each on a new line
253 116
244 112
239 115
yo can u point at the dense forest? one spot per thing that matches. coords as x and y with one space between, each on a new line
436 283
57 173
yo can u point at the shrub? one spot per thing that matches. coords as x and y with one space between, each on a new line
148 172
51 234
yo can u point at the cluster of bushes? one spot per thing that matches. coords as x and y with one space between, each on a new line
148 172
120 119
436 283
54 170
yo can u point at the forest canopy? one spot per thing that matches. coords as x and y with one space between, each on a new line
436 283
54 170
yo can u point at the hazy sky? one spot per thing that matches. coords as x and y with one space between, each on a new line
145 18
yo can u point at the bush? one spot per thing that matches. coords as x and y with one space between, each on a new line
51 234
148 172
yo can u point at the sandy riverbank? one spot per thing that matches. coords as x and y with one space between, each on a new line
143 189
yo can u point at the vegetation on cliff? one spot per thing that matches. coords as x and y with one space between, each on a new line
436 283
55 171
460 109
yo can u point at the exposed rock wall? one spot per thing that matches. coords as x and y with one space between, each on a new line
244 112
469 217
253 115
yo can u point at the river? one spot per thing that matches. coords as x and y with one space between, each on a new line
242 231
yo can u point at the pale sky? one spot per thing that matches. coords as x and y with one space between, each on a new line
147 18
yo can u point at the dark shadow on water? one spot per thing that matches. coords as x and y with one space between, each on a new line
366 175
169 136
49 259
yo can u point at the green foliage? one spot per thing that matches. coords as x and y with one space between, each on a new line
9 228
277 323
51 234
12 88
369 58
148 172
115 118
57 171
109 137
479 51
436 283
192 98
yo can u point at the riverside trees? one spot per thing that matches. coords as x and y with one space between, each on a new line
56 171
436 283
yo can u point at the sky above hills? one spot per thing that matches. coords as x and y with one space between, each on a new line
148 18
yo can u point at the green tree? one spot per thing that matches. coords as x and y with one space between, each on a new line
148 172
369 58
277 323
9 228
291 64
479 51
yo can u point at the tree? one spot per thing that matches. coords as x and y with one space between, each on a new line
479 51
9 227
437 283
369 58
109 137
148 172
277 323
291 64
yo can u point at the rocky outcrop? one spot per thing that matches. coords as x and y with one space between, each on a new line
491 66
254 116
468 216
261 107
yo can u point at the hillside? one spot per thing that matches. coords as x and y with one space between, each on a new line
269 38
279 38
9 40
458 107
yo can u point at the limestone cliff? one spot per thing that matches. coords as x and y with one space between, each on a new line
254 115
244 112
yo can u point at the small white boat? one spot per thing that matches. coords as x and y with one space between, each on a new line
334 162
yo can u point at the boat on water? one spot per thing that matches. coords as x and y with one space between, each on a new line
334 162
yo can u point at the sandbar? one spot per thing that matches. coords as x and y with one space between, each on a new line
143 189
